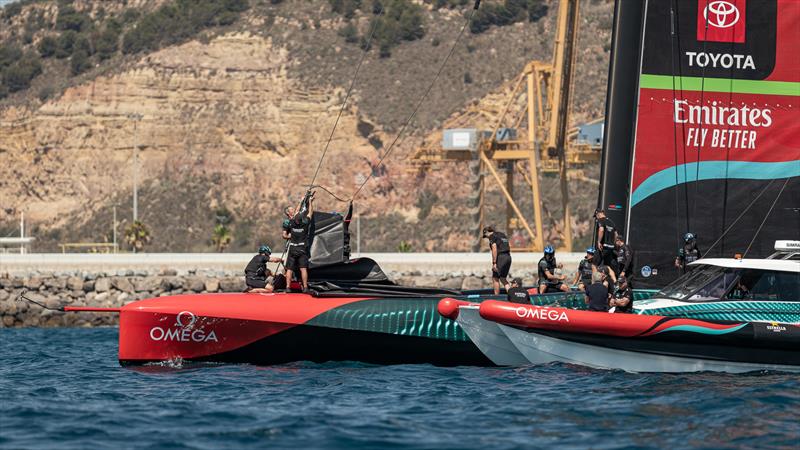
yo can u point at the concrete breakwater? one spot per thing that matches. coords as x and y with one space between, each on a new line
118 288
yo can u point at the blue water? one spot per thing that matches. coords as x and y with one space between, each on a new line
62 388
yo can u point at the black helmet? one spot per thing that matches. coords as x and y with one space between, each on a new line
689 237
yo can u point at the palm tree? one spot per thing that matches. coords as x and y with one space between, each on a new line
221 237
137 235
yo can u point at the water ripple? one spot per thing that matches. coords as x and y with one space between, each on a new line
64 389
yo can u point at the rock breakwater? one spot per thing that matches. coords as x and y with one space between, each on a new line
118 288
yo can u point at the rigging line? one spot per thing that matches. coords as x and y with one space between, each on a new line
774 202
683 128
421 100
741 215
672 24
319 186
349 91
700 125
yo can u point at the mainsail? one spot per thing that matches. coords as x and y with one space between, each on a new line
716 145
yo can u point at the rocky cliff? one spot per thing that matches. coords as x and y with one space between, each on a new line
237 118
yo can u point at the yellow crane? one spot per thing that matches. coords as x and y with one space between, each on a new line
541 97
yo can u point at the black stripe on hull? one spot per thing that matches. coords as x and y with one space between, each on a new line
686 345
322 344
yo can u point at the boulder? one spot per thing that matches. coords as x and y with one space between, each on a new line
426 281
169 272
169 283
123 284
8 307
33 283
88 286
451 283
4 294
122 298
17 282
470 283
56 283
232 284
212 285
8 321
101 297
194 284
146 284
102 285
75 283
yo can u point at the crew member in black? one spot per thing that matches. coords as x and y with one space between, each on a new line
597 294
583 277
517 293
624 257
296 232
256 275
501 257
688 253
622 300
606 234
548 281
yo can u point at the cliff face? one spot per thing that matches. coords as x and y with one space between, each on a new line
226 107
238 118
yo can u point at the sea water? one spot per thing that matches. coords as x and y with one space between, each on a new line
63 388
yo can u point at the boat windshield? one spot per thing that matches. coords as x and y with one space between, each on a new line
707 283
690 282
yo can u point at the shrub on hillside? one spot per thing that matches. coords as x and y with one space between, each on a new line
80 62
19 75
70 19
9 54
107 42
507 13
349 33
65 43
347 8
401 20
176 22
48 46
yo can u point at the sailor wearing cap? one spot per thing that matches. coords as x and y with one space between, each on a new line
517 293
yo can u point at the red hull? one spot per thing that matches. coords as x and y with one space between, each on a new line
575 321
198 326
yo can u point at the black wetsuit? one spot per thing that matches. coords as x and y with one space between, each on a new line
297 228
585 269
549 266
621 293
598 297
689 253
624 260
605 249
519 295
503 262
255 274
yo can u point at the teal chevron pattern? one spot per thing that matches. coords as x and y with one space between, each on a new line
737 311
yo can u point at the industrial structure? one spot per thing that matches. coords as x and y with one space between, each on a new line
538 108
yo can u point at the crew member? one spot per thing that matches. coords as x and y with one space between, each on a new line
517 293
296 232
622 300
624 257
583 277
501 257
548 280
688 253
256 275
597 294
606 235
